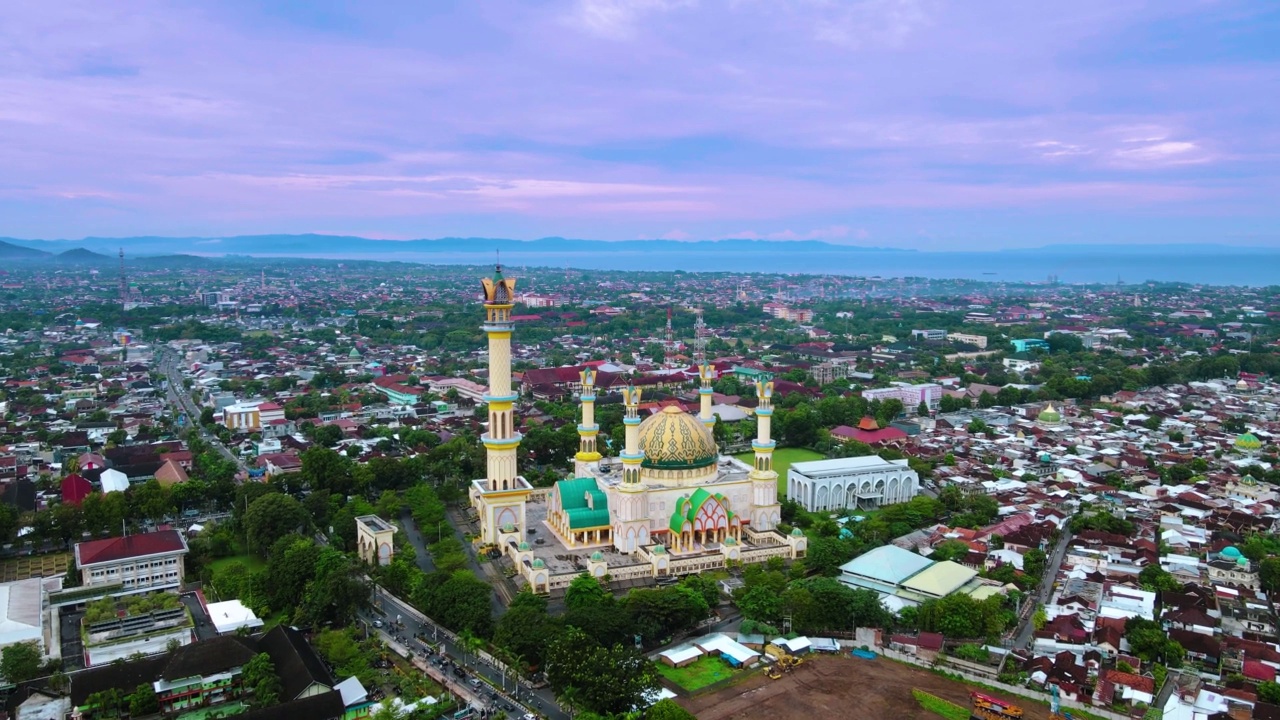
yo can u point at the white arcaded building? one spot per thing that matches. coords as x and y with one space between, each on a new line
851 483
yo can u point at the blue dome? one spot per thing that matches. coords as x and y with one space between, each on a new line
1230 551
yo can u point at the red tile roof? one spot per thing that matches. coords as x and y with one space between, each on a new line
75 489
122 548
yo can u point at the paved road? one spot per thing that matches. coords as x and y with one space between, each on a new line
1051 565
541 701
180 399
425 563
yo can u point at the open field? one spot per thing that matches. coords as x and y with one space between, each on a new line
782 459
21 568
698 674
836 686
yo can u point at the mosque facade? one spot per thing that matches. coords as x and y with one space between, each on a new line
668 496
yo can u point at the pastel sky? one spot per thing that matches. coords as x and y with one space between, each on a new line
904 123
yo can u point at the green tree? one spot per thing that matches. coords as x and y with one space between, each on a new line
1033 562
667 709
949 550
20 662
1269 574
459 600
272 517
143 701
605 680
526 628
1269 691
1156 579
260 678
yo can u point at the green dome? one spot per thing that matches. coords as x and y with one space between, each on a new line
1244 561
537 564
523 546
659 550
597 556
1231 552
730 541
795 532
1248 441
1049 415
508 528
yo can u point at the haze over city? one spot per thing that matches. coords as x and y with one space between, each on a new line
907 124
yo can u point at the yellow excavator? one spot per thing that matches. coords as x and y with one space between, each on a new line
786 661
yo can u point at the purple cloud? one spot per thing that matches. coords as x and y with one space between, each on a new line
858 121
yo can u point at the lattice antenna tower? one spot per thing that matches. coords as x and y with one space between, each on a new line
700 335
124 284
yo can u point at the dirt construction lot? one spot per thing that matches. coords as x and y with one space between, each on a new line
836 687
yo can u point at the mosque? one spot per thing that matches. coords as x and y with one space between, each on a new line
668 495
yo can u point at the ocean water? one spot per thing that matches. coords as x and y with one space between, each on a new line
1231 266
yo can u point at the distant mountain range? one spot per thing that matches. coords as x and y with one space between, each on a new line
338 246
100 250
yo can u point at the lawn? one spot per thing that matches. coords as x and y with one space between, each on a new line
782 459
940 707
700 673
252 563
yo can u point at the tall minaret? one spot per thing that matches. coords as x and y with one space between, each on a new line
706 373
765 510
631 455
587 455
502 440
631 522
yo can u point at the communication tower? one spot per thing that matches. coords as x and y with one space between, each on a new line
124 285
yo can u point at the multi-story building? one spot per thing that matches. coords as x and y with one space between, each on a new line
929 334
856 482
242 416
969 339
824 373
784 312
135 563
910 395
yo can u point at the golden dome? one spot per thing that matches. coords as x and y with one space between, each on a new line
676 440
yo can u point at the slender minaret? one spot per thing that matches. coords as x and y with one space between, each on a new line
631 455
765 510
502 440
706 374
587 455
631 526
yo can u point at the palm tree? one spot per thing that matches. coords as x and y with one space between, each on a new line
470 644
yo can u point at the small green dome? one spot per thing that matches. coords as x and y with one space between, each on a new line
597 556
1231 552
1049 415
1248 480
1248 441
1046 457
508 528
659 550
1243 562
730 541
537 564
795 532
523 546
